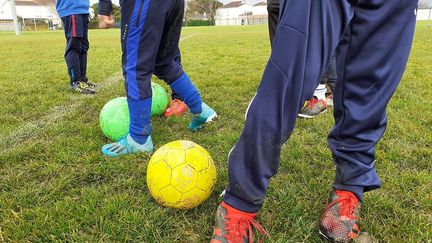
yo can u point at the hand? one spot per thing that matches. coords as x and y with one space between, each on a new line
106 22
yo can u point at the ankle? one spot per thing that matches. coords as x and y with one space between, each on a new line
233 210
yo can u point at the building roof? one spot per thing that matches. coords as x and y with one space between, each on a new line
260 4
234 4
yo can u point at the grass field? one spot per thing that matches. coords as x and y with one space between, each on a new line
55 185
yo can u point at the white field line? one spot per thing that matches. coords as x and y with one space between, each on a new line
188 36
55 115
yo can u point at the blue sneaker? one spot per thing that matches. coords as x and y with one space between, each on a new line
127 145
206 116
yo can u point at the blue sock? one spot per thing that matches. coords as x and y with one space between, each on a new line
139 112
188 93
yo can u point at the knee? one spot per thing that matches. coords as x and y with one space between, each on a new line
169 72
74 45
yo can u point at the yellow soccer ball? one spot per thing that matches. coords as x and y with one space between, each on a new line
181 174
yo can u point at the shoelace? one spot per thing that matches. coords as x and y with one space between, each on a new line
239 227
312 102
347 205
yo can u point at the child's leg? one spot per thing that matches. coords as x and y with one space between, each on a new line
168 68
143 23
273 18
85 48
331 74
306 36
177 59
369 72
74 40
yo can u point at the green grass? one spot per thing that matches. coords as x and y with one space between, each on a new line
56 186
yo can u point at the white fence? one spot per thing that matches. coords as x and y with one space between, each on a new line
241 21
424 14
8 26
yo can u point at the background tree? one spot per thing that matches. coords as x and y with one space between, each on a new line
116 12
201 7
425 4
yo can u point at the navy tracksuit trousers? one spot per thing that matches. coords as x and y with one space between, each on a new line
150 37
77 46
273 19
373 40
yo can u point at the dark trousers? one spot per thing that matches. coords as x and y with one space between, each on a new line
77 46
273 18
329 76
174 95
373 40
150 36
150 44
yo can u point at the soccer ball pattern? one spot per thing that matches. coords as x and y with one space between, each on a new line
114 118
181 174
159 100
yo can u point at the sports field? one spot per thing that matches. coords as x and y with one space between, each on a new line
55 185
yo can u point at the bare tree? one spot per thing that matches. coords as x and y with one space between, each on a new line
425 4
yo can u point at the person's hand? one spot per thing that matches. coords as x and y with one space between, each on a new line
106 22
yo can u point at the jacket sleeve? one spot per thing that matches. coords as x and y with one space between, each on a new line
105 7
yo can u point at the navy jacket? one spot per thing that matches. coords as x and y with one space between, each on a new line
105 7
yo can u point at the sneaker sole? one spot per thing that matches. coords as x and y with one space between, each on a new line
310 117
325 237
209 120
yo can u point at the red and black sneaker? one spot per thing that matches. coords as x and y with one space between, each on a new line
234 226
339 221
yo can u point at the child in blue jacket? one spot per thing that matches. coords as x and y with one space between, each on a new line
75 17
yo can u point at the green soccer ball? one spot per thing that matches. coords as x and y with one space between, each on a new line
159 100
114 118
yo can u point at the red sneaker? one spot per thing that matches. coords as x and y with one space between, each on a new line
339 221
176 107
234 226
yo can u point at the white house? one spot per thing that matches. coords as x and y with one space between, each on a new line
233 13
424 14
260 9
30 11
241 13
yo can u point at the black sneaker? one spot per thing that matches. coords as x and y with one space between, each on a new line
82 88
90 84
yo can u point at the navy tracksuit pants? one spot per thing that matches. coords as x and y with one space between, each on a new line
150 37
373 40
77 46
273 19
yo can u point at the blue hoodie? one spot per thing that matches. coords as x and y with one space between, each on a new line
70 7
